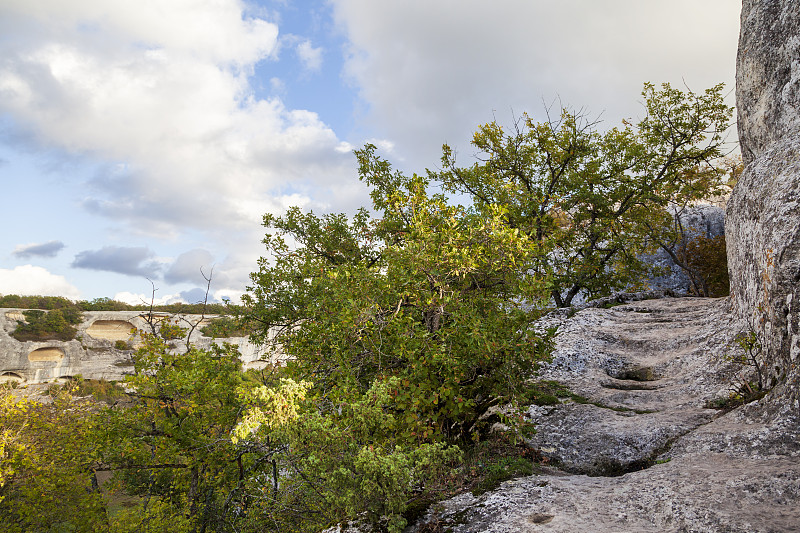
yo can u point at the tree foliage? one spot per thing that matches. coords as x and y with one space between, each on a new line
47 456
595 199
408 332
56 324
428 294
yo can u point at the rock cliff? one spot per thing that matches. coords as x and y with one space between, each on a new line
763 214
94 352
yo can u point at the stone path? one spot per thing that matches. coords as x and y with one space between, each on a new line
658 459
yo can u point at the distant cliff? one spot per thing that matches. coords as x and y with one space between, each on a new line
101 348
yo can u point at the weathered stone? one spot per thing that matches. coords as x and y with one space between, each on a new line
673 346
763 221
93 353
767 75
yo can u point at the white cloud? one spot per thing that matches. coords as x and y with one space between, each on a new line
431 72
162 88
310 57
139 299
34 280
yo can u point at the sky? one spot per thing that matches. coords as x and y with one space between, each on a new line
141 143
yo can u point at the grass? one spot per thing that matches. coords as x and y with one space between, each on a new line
546 392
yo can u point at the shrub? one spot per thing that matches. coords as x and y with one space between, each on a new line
707 261
224 327
47 325
171 331
121 345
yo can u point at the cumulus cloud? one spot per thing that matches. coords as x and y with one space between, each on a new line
190 267
34 280
196 295
310 56
129 260
139 299
47 249
161 92
431 72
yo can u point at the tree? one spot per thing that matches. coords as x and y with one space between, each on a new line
48 457
430 294
596 200
170 443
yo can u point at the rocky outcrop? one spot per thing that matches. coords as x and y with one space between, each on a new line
95 352
647 371
763 214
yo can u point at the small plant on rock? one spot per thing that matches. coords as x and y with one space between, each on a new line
750 386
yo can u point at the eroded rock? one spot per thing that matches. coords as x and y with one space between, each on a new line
763 220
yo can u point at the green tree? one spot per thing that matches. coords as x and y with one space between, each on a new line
170 444
48 455
430 294
596 200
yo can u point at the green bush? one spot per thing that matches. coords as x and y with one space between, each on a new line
707 261
171 331
56 324
122 345
224 327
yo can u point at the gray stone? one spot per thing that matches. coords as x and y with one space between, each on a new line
93 353
763 221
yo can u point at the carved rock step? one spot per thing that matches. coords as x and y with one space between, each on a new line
647 370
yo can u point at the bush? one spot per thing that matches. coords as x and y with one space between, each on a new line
121 345
171 331
707 259
224 327
48 325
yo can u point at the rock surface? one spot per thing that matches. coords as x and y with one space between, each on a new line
93 353
763 214
647 369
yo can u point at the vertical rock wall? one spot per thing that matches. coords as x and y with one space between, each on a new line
763 214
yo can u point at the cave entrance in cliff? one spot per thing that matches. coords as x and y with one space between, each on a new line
11 377
46 354
111 330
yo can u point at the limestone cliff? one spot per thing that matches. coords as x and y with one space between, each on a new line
94 352
763 214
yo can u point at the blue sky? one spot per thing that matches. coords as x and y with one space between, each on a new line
146 139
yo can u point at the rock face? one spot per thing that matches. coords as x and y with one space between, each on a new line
647 368
93 353
763 214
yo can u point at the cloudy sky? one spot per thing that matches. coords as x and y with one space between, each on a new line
146 139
